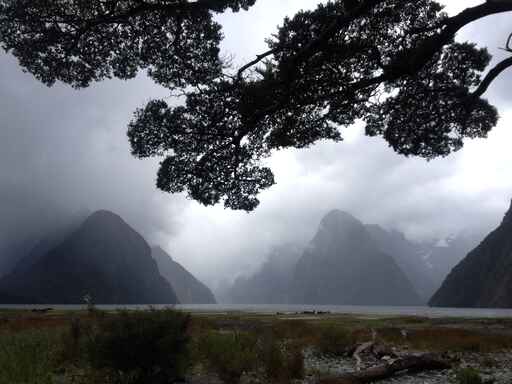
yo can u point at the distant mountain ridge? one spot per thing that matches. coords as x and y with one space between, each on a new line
271 284
484 277
424 265
104 258
187 287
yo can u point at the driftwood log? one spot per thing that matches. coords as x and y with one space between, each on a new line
411 364
359 350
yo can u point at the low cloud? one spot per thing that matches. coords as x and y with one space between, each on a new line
63 151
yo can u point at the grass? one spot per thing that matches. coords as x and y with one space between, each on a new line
229 355
28 357
127 347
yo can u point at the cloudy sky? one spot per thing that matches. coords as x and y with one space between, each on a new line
65 151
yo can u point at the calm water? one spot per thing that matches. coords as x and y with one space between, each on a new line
338 309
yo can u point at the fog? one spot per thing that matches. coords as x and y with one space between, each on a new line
64 151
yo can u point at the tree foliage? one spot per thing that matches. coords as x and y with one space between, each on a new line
393 64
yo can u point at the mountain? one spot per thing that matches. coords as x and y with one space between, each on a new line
104 258
445 254
35 241
343 265
52 239
188 289
7 298
271 283
407 256
484 277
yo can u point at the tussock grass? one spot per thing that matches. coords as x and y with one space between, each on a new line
28 357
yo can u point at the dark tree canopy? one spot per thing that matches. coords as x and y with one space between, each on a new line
393 64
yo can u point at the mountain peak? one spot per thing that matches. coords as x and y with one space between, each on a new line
343 265
104 257
337 217
103 215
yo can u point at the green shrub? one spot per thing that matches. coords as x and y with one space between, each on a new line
141 347
28 357
230 355
468 376
282 361
334 341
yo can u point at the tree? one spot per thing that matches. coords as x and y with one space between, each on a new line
392 63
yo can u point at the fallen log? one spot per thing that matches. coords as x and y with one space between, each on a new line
380 351
411 364
359 350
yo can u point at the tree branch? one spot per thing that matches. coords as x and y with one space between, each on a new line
329 31
258 59
491 76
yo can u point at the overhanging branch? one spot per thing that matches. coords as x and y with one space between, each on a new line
491 76
258 59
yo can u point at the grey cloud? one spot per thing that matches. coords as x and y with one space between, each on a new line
63 150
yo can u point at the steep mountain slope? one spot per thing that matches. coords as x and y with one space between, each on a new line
35 241
52 239
271 283
484 277
443 255
343 265
104 258
408 257
188 289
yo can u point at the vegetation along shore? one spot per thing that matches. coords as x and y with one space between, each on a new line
166 346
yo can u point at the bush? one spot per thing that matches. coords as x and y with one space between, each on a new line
141 347
468 376
334 341
282 362
230 355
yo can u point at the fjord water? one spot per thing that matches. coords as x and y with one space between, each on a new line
301 309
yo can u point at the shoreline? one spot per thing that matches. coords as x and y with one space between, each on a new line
316 310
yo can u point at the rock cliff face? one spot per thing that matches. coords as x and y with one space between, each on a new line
484 277
104 258
188 289
343 265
